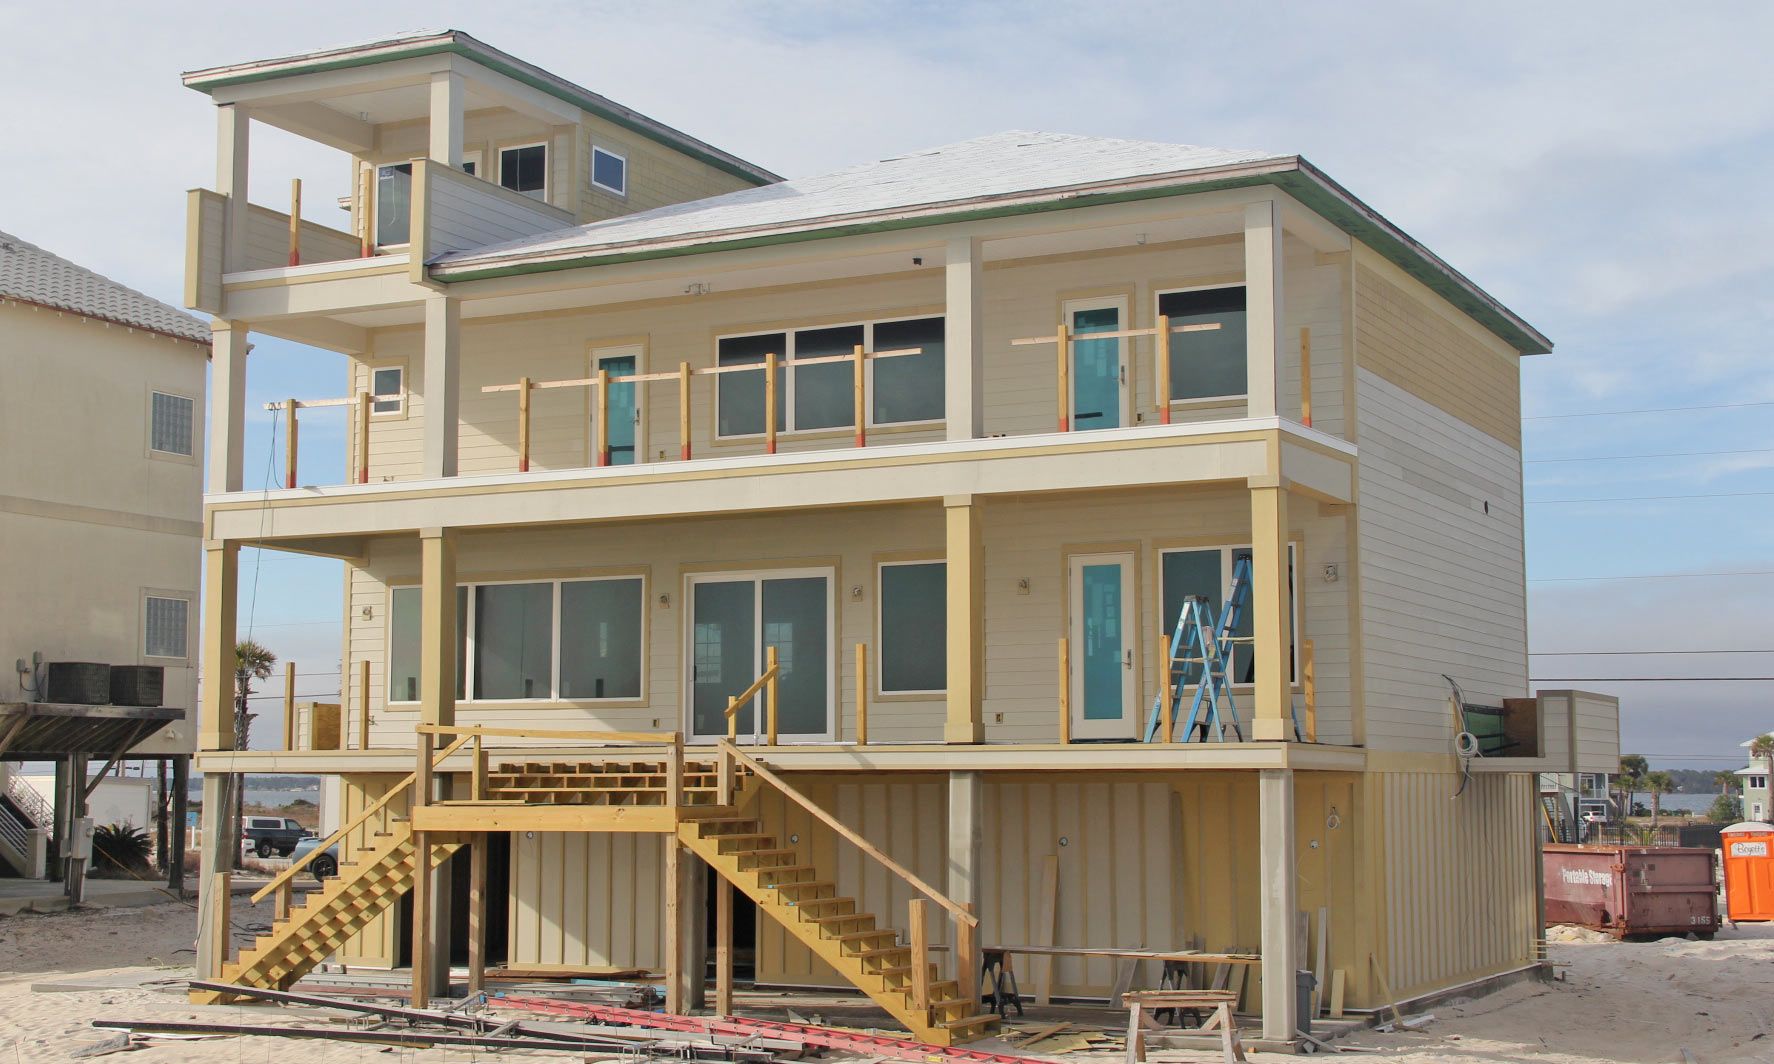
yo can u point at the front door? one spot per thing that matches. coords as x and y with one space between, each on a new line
624 412
1101 633
734 619
1098 379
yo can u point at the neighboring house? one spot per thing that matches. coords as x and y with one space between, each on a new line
101 422
625 434
1576 803
1754 781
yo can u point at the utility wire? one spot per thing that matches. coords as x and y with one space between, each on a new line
1647 410
1651 498
1649 679
1665 454
1633 653
1645 576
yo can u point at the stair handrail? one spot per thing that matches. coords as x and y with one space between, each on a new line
29 801
14 832
960 912
767 681
357 821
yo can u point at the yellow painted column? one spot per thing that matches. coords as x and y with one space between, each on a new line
215 714
966 620
1273 719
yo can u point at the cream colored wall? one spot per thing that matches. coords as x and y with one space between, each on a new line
90 520
377 945
586 899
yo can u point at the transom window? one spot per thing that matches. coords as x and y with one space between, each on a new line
905 389
913 628
1207 571
609 171
166 627
1208 364
524 169
537 640
388 389
170 424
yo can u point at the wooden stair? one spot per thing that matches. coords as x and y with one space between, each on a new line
600 783
376 876
868 954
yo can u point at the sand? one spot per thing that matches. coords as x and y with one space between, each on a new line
1641 1002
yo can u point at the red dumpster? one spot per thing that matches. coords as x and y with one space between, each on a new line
1632 890
1749 870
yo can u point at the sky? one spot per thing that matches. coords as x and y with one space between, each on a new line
1598 167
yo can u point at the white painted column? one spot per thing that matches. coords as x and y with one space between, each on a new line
447 101
1281 959
227 405
965 585
964 341
1272 717
442 385
1263 305
232 126
965 800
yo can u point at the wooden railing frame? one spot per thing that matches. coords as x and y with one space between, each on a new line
767 683
1063 339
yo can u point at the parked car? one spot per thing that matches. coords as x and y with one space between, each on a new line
323 867
267 835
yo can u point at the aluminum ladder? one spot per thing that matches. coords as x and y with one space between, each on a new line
1200 654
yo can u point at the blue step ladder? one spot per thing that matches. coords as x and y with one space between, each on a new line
1200 654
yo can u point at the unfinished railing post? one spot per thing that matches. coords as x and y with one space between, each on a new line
684 410
477 780
523 424
724 773
1065 378
1306 377
1161 349
603 417
1166 664
280 907
770 402
289 445
365 225
363 705
862 694
289 705
295 221
770 693
1065 693
674 773
859 390
967 956
1309 686
364 404
916 918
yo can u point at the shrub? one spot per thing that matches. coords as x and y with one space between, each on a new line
121 850
1726 809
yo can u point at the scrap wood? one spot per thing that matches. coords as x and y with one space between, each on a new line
118 1043
1041 1034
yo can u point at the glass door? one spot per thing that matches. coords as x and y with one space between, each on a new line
624 411
734 618
1101 633
1098 380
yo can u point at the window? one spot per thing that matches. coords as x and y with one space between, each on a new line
404 644
601 638
389 381
734 620
907 389
609 171
1208 572
525 169
913 627
513 648
1207 363
394 204
471 163
170 424
166 627
1758 782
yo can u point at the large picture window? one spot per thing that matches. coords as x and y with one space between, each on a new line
1207 363
578 640
1207 571
913 628
906 389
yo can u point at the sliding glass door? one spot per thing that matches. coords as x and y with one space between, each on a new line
734 619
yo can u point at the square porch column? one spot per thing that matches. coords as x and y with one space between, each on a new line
437 705
232 134
1272 718
963 371
442 387
448 94
965 797
965 569
219 846
227 405
1281 955
1263 304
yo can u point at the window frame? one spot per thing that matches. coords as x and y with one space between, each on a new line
399 398
880 690
165 594
1163 387
547 168
553 697
757 575
187 457
787 359
596 150
375 226
1226 549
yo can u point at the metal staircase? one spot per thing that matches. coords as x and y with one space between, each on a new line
1557 817
22 811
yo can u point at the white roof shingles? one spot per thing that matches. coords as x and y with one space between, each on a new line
1002 164
30 274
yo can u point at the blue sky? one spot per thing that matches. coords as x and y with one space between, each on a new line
1598 167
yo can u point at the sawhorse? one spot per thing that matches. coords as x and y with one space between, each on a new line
996 972
1220 1001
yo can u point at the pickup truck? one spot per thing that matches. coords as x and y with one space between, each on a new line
323 867
267 835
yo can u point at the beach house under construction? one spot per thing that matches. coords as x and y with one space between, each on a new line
1100 553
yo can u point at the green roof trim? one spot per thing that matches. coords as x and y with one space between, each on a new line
756 175
1309 188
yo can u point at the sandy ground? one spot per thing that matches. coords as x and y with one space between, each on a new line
1640 1002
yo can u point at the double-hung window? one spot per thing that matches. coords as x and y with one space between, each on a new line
1207 572
1207 362
524 169
388 390
904 389
170 424
912 628
537 640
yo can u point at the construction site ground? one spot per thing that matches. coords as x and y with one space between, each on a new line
1632 1001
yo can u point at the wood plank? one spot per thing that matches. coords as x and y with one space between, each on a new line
475 817
1338 982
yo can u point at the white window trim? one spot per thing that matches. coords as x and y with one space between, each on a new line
606 349
554 679
1163 387
687 647
400 397
1227 551
596 150
190 601
786 359
1118 304
196 428
881 629
547 167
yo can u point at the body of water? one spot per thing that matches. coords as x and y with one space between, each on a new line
1697 804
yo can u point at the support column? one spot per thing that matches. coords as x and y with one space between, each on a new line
60 819
695 934
1272 717
1281 959
181 803
441 387
723 947
965 795
1263 303
227 405
232 126
964 341
675 905
219 845
447 95
477 913
437 705
966 620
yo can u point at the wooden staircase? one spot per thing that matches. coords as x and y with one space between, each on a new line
600 783
871 956
328 917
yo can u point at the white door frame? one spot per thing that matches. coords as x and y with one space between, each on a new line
687 659
1123 388
1125 726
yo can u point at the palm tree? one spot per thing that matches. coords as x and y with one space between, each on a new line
1632 778
1659 783
1763 747
252 661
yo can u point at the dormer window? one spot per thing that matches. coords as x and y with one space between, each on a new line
524 169
609 171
